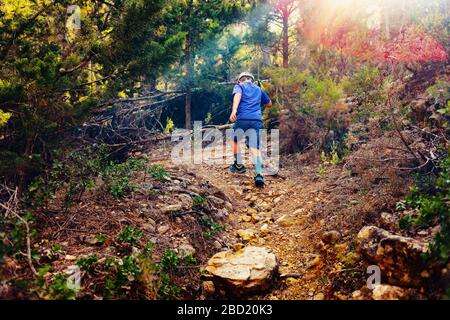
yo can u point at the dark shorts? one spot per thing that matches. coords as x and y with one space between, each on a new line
248 129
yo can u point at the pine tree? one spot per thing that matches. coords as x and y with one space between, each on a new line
200 21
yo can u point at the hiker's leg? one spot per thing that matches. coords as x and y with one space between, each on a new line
257 157
236 152
254 144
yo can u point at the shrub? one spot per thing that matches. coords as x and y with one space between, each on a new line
158 172
212 227
129 235
315 108
87 263
432 204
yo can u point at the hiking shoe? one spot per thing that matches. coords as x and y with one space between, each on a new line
259 180
235 168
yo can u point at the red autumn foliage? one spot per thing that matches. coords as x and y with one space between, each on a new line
410 44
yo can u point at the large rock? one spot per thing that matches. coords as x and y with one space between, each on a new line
250 270
399 258
285 221
330 237
387 292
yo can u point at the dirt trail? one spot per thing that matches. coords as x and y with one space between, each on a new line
294 238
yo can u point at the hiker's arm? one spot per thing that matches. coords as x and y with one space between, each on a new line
265 100
236 100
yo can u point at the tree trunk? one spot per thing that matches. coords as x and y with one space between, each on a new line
188 70
266 56
187 108
285 41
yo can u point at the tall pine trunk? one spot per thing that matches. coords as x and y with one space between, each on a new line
188 70
285 41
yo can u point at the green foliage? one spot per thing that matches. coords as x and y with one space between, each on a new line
315 105
166 289
212 227
405 222
87 263
78 171
169 126
168 265
129 235
54 289
123 274
51 77
366 85
13 235
74 172
199 202
432 205
169 260
4 117
158 172
440 91
101 238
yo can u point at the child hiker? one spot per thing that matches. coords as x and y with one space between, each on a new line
247 117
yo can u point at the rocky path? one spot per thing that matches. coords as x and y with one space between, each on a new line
277 217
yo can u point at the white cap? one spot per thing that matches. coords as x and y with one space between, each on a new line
246 74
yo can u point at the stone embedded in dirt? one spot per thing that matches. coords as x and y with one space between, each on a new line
185 249
251 211
331 237
216 201
186 201
388 292
265 206
149 227
250 270
319 296
208 288
247 234
265 229
163 229
266 214
285 221
91 239
220 213
358 295
217 245
300 212
246 218
70 257
276 200
255 218
399 258
194 189
228 206
314 262
172 208
388 221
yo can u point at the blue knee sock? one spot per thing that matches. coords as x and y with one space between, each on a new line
258 165
238 159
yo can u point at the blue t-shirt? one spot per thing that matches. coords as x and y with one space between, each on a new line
252 98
